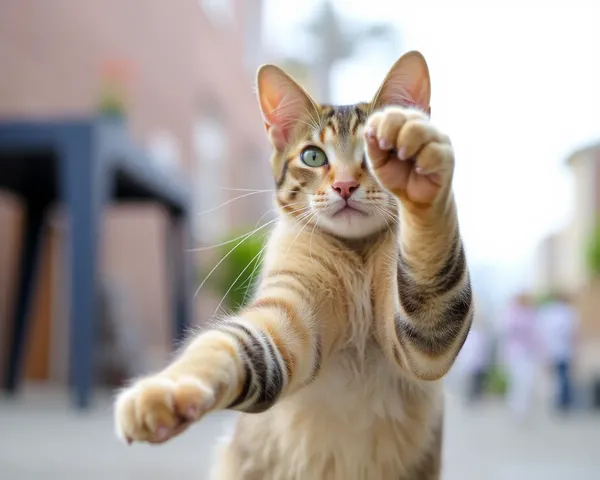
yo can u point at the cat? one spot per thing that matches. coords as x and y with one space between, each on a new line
362 305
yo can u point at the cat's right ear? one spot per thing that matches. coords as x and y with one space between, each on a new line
407 84
283 104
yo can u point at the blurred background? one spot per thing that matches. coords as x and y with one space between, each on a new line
515 87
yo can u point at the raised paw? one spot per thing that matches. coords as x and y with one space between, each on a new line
156 409
408 155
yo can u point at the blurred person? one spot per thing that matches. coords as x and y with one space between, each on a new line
521 347
558 321
475 358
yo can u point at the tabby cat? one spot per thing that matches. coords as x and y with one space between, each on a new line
362 306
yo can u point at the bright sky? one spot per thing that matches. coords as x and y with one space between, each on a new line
517 89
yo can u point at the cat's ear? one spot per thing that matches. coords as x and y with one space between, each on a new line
407 84
283 103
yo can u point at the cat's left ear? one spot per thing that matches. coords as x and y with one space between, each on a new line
407 84
284 104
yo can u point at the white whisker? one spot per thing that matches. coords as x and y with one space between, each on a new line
210 247
238 277
248 189
228 202
229 253
311 237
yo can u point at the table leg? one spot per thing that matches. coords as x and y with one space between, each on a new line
33 232
178 242
83 184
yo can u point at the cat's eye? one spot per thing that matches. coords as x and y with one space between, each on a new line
313 157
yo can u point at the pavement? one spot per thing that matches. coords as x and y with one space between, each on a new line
41 437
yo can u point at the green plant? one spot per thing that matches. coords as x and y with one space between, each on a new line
593 251
115 80
234 278
111 103
542 299
496 382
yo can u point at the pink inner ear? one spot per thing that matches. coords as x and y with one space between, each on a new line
407 84
278 137
409 95
281 119
283 103
410 104
402 98
276 113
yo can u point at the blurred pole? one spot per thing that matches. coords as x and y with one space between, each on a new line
336 41
331 46
253 26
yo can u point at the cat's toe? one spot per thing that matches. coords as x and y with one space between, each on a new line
156 409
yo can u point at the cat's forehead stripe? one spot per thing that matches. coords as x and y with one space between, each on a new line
344 120
340 124
343 117
331 126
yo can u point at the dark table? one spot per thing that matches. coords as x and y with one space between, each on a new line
84 164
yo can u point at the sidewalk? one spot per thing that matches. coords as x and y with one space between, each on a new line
40 438
484 443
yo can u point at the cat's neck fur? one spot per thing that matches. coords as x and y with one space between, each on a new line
361 246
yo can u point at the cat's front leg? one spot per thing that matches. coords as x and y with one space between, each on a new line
412 159
244 363
207 375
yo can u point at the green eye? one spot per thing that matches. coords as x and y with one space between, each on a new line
313 157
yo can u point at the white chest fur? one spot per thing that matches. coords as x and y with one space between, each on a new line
357 421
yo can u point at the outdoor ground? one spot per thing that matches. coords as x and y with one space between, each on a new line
42 438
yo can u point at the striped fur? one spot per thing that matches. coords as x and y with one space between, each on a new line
335 361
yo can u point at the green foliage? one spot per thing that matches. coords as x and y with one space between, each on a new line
593 252
243 262
496 382
111 103
542 299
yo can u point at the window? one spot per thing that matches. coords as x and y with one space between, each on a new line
256 174
164 151
210 144
219 11
253 27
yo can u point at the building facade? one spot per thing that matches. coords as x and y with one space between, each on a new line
187 72
561 262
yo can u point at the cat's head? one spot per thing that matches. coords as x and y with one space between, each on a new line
321 174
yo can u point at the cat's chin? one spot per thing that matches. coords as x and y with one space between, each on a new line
352 225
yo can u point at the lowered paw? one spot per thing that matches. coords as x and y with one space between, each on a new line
157 408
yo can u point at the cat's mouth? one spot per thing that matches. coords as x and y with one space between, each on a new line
349 210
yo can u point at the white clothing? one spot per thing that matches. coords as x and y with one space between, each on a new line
522 373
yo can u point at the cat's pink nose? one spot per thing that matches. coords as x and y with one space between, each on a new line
345 188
